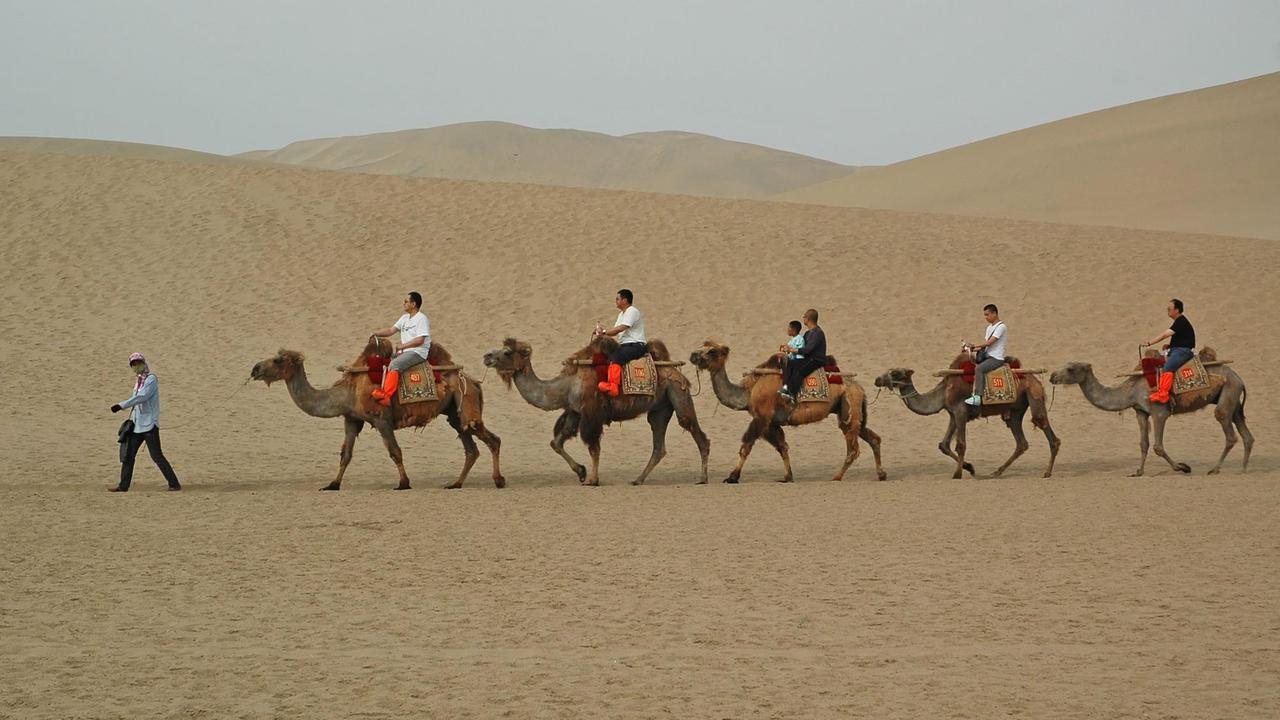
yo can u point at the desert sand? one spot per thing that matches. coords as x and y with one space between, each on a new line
250 594
670 162
1202 161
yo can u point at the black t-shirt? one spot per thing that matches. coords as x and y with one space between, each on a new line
1184 336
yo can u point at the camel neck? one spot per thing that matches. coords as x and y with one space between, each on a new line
1107 398
331 402
546 395
729 393
928 403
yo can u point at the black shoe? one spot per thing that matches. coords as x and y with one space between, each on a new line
175 488
117 488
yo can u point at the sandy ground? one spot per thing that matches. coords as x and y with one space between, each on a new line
252 595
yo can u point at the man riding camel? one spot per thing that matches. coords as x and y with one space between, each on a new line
811 356
415 343
989 354
1182 345
632 343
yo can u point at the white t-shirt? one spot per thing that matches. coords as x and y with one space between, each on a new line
1001 333
412 328
635 326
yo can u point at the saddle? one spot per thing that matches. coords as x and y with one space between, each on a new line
817 384
639 377
416 384
1000 386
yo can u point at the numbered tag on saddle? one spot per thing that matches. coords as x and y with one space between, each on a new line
1000 387
815 388
1191 376
640 377
418 384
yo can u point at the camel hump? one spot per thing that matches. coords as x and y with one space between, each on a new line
658 350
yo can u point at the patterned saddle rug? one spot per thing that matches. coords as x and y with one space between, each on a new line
1189 377
640 377
1000 387
816 387
418 385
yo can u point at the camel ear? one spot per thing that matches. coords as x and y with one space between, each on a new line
726 350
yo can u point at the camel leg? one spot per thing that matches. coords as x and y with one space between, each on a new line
659 418
1160 419
687 416
591 433
494 443
567 427
873 440
1019 438
851 446
397 457
1246 436
469 449
1225 417
776 437
1040 419
353 428
1144 440
945 446
960 421
754 430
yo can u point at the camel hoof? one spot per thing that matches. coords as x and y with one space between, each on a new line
969 467
882 476
450 486
589 483
701 482
957 475
499 482
1215 471
1183 468
1136 474
637 482
330 488
997 473
1046 475
786 480
581 472
403 486
731 480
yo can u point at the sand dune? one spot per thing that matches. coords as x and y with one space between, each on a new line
1204 161
671 162
251 594
136 151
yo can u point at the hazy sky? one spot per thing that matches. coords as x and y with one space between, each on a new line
855 82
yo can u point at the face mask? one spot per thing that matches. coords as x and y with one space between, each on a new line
138 369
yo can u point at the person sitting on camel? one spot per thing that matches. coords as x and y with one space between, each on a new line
795 341
415 344
1182 347
632 343
812 356
990 352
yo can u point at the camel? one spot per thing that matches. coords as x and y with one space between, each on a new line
461 402
949 395
1226 390
585 410
758 395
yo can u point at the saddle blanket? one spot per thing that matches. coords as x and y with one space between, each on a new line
816 387
1000 387
639 377
417 385
1191 376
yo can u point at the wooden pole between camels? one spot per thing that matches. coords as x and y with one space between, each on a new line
1136 373
356 369
776 371
949 372
586 362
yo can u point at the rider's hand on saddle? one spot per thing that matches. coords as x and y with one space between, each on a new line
115 408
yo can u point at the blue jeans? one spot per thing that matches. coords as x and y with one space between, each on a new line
1178 357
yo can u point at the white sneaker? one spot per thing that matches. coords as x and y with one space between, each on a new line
974 400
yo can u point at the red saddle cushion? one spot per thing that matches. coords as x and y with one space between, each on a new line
833 374
376 364
600 362
1149 367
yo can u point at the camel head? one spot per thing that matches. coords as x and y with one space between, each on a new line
895 379
711 356
511 358
376 346
1073 374
280 367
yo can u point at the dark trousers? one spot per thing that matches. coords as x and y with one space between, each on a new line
980 373
797 371
628 352
132 444
1178 357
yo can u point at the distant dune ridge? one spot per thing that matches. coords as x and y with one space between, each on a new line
137 151
671 162
1202 161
